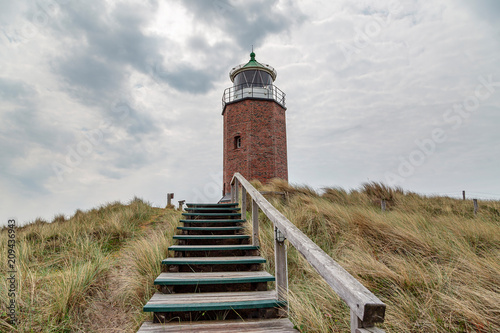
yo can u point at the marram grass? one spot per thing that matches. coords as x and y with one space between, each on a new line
89 273
435 264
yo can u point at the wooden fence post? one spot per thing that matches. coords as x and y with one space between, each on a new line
463 194
170 196
382 205
280 262
255 224
243 203
475 206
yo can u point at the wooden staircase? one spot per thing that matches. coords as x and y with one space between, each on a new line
215 281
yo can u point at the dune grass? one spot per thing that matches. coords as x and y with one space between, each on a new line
435 264
430 259
89 273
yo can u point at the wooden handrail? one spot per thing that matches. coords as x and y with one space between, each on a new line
366 308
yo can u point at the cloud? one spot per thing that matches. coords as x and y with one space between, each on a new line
106 44
148 77
15 90
247 22
486 9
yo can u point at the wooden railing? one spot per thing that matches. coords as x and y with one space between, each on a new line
366 308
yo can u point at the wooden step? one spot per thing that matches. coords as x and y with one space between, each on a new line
210 237
210 209
212 301
208 205
188 248
282 325
213 214
210 228
172 279
213 221
214 260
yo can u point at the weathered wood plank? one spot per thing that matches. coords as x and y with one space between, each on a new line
212 247
211 209
212 214
214 260
210 237
201 275
190 278
243 203
193 298
211 205
282 325
213 221
252 326
281 269
210 228
212 301
255 224
366 305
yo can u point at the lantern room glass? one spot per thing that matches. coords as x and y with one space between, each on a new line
253 78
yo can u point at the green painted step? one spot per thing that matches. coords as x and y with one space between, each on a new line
210 228
208 209
212 247
189 237
213 221
212 214
189 278
241 260
212 301
212 205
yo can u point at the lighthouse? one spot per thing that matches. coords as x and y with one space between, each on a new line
254 125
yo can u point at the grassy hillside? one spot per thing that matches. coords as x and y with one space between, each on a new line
435 264
90 273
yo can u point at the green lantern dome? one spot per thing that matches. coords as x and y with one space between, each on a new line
253 65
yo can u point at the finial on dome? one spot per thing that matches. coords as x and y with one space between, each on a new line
252 55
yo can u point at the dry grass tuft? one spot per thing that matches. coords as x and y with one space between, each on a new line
88 273
435 264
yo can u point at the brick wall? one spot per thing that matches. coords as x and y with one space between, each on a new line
261 125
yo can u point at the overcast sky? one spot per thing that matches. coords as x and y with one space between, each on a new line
106 100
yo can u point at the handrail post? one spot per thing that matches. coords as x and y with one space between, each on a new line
236 191
243 203
255 224
280 263
355 322
232 192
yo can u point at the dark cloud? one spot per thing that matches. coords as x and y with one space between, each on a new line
486 9
109 42
123 114
185 78
18 91
248 22
106 43
89 77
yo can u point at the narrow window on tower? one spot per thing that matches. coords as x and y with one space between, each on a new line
237 142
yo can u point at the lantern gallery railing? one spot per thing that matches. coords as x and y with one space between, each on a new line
366 308
252 90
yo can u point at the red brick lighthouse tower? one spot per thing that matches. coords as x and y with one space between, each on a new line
254 125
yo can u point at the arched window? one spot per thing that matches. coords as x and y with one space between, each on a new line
237 142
